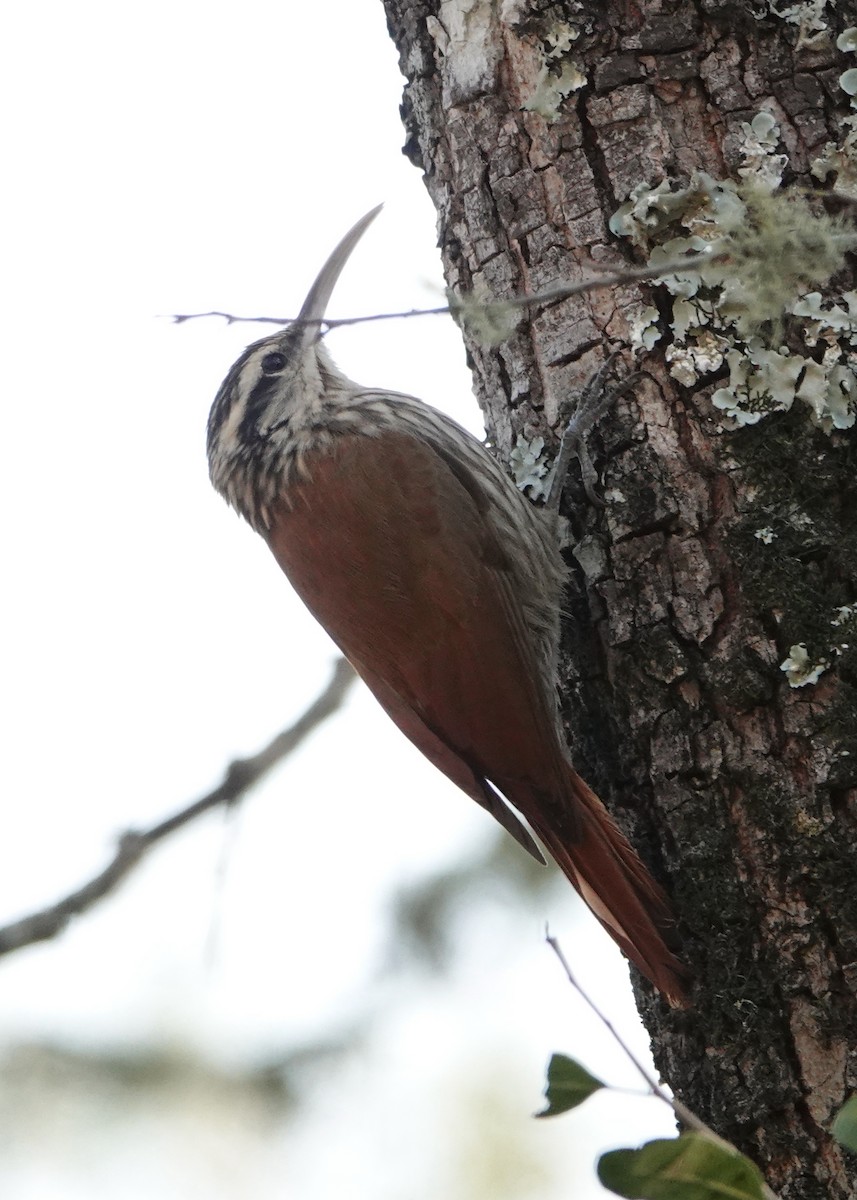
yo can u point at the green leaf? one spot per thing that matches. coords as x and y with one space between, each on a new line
845 1126
568 1085
690 1167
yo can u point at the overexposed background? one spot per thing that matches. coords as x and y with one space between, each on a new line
236 1020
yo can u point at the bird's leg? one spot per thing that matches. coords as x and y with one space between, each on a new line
591 405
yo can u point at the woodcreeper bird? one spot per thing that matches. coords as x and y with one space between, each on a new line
441 583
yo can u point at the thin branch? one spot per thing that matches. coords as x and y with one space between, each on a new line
132 847
682 1112
327 322
562 291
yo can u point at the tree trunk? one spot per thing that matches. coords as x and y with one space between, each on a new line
720 550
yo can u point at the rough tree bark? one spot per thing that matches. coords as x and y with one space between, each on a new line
533 122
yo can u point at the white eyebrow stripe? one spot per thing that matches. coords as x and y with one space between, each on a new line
245 385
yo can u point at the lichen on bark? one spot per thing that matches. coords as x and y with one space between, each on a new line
740 789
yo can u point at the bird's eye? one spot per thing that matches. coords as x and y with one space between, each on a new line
273 362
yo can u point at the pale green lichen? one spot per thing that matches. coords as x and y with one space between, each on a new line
799 670
761 381
529 467
615 496
824 320
683 367
490 322
776 249
648 210
701 356
552 88
841 160
833 406
757 149
643 325
798 667
765 248
559 75
808 15
765 535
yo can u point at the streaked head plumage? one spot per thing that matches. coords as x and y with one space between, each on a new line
267 405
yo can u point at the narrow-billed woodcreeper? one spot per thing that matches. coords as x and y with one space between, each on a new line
441 583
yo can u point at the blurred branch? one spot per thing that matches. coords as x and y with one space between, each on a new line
424 912
240 777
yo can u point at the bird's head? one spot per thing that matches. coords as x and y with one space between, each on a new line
270 397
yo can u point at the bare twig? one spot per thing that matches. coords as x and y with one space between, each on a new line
561 292
684 1114
133 845
327 322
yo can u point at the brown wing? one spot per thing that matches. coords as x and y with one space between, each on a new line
393 555
390 553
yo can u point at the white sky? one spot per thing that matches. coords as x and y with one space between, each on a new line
178 157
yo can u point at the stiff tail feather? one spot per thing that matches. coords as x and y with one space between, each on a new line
606 871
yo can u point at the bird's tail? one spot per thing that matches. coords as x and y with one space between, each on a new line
608 874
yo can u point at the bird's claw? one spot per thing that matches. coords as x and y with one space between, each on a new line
593 402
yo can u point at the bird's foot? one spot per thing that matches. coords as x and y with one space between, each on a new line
591 405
